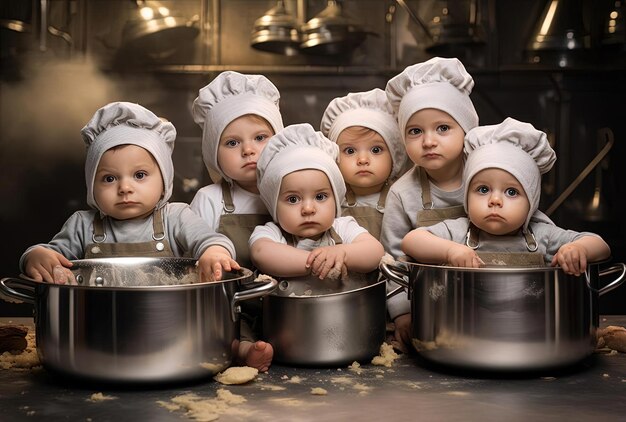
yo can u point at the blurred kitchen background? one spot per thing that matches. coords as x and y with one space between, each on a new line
559 64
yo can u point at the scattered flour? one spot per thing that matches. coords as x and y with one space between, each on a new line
204 408
318 391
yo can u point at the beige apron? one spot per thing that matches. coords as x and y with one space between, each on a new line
369 218
532 258
429 215
239 227
291 239
158 247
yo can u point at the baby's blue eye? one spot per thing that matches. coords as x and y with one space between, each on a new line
512 192
292 199
349 150
377 150
109 179
482 189
321 196
140 175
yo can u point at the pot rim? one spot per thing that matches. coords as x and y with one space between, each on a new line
504 269
241 275
320 296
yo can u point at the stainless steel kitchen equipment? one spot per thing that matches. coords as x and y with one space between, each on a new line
605 135
156 33
130 319
313 322
560 37
276 31
505 318
331 32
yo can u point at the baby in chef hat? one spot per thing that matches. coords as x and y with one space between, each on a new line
302 187
238 114
371 153
504 227
129 175
431 101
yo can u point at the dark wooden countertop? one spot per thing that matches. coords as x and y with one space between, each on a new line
594 390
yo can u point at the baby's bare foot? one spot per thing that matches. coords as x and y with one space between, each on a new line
258 355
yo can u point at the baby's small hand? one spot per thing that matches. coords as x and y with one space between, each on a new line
463 256
213 262
322 260
572 258
42 264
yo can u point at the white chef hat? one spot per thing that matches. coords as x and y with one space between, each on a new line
515 147
438 83
297 147
229 96
123 123
371 110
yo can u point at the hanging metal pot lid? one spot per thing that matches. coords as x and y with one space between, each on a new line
331 32
158 36
276 32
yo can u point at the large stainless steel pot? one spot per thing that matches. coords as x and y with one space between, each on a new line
510 319
132 320
312 322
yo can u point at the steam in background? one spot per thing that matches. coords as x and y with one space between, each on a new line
44 113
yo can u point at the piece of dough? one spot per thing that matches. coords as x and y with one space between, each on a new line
237 375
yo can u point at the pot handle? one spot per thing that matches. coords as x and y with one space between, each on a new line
621 267
397 274
263 290
12 293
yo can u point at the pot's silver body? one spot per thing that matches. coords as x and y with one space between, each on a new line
510 319
164 333
310 325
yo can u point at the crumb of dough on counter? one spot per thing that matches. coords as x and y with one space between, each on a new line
356 368
98 397
236 375
458 393
295 380
24 361
341 380
213 367
292 402
271 387
362 387
386 357
205 408
318 391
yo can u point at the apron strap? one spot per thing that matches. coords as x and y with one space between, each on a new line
382 197
427 201
336 238
350 196
158 229
291 239
99 235
471 240
227 198
531 241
